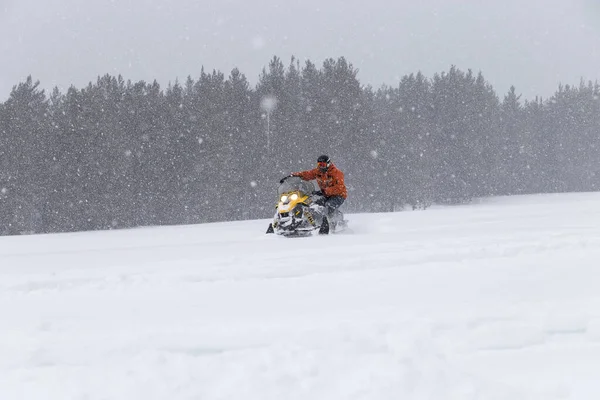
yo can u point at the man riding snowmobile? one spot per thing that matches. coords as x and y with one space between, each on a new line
331 183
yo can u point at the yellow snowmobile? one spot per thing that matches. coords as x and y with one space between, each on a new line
300 211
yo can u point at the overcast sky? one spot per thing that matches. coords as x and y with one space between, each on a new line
533 44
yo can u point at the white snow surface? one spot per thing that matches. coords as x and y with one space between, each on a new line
495 300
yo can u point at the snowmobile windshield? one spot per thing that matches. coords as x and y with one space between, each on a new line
295 184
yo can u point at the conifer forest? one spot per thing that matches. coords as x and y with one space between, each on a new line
119 154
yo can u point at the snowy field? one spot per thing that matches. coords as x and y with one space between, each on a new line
495 300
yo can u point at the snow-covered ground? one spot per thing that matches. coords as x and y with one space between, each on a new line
495 300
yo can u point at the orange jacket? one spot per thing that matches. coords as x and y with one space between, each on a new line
331 182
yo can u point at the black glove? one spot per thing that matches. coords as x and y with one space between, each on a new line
284 178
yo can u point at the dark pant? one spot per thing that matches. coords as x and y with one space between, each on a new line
333 203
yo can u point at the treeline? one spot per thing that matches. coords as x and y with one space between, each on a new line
119 154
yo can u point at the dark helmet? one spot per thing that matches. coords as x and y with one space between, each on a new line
323 163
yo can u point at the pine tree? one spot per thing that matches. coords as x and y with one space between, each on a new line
25 154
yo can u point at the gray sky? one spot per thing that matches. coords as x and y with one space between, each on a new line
533 44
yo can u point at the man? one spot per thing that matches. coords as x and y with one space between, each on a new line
330 180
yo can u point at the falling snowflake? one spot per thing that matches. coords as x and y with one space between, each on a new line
374 154
253 184
268 103
258 42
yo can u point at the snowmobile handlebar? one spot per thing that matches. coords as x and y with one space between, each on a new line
284 178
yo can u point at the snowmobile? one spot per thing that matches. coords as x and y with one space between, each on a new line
300 211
